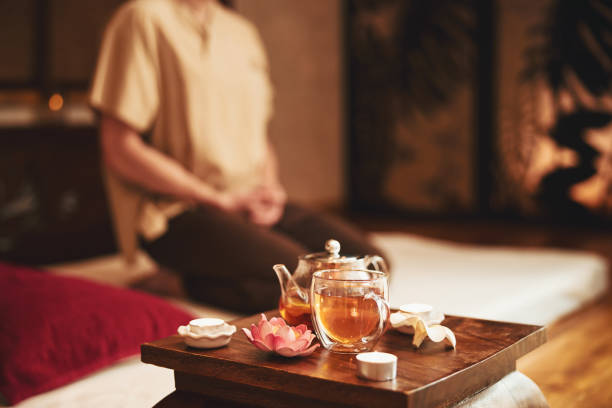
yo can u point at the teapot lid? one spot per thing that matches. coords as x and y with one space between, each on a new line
332 254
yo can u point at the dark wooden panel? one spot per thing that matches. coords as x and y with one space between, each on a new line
72 58
412 80
17 22
52 202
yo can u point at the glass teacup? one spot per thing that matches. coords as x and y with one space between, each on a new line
350 308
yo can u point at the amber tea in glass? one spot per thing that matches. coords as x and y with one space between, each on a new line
349 308
347 319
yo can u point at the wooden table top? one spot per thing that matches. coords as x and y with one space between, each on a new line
431 376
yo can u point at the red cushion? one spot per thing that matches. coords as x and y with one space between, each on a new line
55 329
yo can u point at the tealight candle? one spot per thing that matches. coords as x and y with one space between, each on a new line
377 366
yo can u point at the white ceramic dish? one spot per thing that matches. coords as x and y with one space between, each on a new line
207 333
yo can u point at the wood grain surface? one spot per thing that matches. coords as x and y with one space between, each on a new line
431 376
574 369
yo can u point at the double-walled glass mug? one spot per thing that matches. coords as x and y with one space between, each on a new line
350 308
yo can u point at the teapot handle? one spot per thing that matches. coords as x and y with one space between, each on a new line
377 262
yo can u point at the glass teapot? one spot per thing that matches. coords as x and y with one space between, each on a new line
294 303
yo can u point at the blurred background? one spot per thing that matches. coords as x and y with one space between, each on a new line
402 109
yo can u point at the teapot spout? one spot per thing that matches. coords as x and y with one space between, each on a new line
287 283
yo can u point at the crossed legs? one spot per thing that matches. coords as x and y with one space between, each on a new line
226 261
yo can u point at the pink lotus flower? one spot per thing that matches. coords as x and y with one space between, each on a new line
275 335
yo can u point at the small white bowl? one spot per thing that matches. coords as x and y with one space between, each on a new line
207 333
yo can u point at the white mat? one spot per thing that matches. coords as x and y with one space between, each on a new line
127 384
534 286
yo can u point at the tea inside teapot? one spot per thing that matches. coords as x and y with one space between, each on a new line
294 309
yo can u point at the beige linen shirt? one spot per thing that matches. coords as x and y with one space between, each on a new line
201 89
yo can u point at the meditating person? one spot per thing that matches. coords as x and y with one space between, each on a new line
184 99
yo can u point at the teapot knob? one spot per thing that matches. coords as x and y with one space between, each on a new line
333 247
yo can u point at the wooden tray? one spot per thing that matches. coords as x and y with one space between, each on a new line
431 376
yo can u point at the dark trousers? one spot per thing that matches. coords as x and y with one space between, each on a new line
226 261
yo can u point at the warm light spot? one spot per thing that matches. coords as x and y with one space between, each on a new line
546 157
591 193
56 102
594 192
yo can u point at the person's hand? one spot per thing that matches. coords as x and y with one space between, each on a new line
265 215
266 204
272 194
232 202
